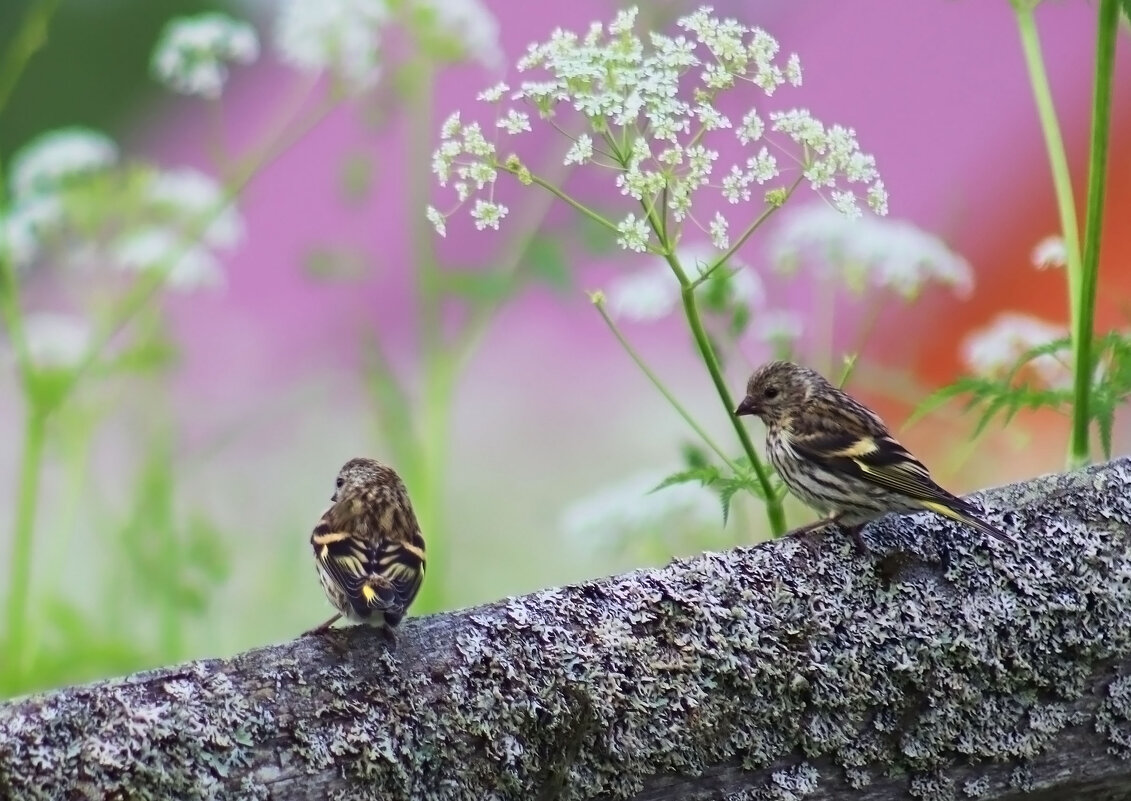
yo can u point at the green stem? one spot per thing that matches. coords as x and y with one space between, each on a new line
774 509
31 36
558 193
1108 27
1062 183
434 421
20 567
599 302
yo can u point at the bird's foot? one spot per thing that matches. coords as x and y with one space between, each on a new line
322 629
390 637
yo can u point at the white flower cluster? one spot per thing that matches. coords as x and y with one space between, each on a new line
1050 252
41 171
192 52
995 349
869 253
343 37
180 219
647 110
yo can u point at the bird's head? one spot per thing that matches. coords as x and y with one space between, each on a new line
361 473
776 389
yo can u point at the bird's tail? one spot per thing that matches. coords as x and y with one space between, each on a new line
964 513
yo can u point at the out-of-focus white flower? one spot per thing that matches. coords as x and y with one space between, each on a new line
56 341
778 326
870 251
191 53
27 224
192 196
653 292
1049 252
340 36
43 165
188 266
995 349
630 508
472 25
643 295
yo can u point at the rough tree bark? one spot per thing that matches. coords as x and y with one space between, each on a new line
780 671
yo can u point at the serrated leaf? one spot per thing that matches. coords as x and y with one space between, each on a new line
704 475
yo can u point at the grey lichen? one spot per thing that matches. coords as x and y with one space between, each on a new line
771 660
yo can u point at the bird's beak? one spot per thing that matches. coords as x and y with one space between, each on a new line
334 498
748 406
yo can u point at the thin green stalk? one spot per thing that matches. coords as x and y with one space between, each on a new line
1062 183
23 532
691 311
774 509
31 36
1083 334
434 420
599 302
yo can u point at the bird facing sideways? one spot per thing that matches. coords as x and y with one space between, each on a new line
368 547
839 457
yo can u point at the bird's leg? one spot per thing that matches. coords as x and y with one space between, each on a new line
810 528
857 540
390 637
325 627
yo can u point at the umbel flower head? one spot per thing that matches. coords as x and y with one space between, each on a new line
646 109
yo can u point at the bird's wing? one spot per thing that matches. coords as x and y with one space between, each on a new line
376 570
875 457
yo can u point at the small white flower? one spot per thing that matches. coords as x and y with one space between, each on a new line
719 236
488 215
491 95
581 151
514 122
633 234
890 254
437 220
193 196
186 266
1050 252
336 35
630 508
56 341
992 350
191 52
44 164
472 24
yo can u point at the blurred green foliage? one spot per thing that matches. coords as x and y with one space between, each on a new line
93 69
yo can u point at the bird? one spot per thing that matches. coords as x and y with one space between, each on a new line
368 548
838 456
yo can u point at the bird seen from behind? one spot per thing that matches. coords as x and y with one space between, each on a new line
368 547
838 456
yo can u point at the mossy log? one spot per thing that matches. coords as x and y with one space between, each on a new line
940 666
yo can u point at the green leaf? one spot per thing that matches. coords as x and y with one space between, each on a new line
545 262
705 475
1126 6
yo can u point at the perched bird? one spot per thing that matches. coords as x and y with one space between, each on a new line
368 547
837 456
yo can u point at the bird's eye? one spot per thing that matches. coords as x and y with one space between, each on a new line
339 482
769 393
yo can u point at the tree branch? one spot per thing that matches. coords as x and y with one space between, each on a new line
771 672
